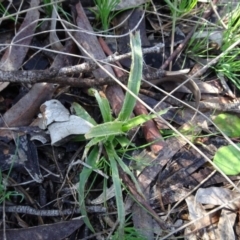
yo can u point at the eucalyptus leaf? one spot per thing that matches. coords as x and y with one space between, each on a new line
59 131
227 158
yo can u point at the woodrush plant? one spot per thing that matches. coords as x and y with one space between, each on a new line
4 11
6 194
199 45
104 11
179 8
130 233
111 134
48 6
230 63
227 158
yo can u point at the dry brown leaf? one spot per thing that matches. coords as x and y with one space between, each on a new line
23 112
218 196
225 225
55 231
197 229
15 54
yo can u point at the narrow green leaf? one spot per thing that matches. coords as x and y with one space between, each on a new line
81 112
182 6
92 143
84 175
135 77
117 187
104 106
124 141
126 169
227 158
138 120
105 130
79 138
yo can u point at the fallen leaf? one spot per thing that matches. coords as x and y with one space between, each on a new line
61 130
55 231
53 111
60 123
217 196
207 222
214 36
226 223
23 112
15 54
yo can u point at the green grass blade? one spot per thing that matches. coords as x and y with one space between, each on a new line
136 121
81 112
92 143
181 7
104 8
126 169
4 12
117 187
84 175
135 77
105 130
104 106
124 141
79 138
173 7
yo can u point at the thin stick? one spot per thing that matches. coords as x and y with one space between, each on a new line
50 213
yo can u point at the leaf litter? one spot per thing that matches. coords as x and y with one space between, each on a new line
173 157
